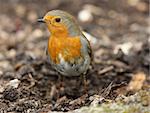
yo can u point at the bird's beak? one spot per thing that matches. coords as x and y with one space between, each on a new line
41 20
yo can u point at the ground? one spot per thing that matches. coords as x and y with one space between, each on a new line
119 76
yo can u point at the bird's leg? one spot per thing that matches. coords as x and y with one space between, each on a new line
60 80
84 82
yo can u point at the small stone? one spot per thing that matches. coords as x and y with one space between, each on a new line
2 56
37 33
12 53
1 72
125 47
13 83
133 2
20 10
85 16
32 16
5 65
1 89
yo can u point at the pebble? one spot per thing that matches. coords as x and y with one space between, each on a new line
5 65
125 47
12 53
13 83
85 16
32 16
20 10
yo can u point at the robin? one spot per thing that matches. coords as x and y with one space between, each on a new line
68 49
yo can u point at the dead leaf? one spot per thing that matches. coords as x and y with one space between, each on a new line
137 82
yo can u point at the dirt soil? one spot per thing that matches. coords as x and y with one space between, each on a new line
119 38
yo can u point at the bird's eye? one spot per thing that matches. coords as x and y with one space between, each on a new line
57 19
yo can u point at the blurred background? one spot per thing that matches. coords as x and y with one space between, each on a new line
110 21
118 31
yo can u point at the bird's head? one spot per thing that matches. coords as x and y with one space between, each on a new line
61 23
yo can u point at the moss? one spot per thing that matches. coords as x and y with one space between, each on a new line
137 103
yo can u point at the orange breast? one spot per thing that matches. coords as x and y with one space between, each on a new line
68 47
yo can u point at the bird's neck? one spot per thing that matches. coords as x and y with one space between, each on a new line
73 30
59 34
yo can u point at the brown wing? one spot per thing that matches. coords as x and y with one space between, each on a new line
89 48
